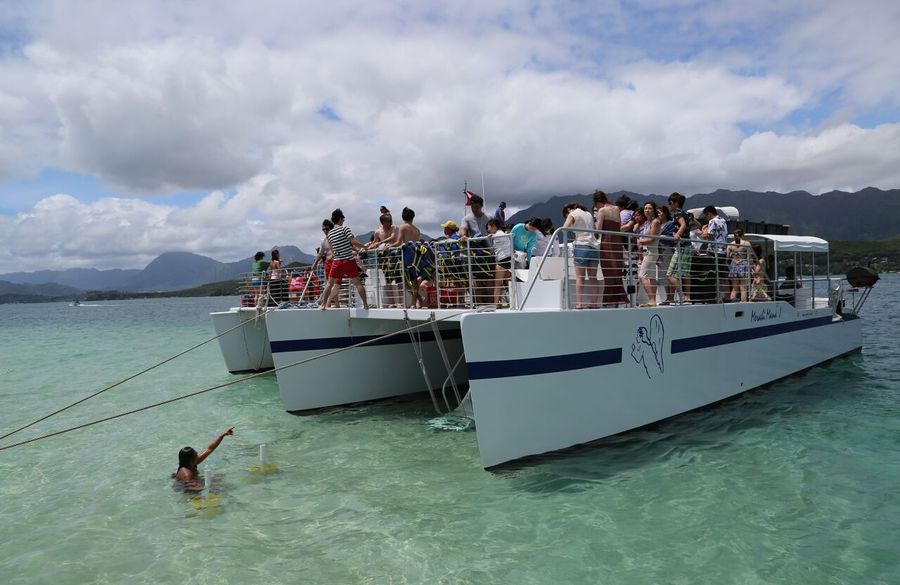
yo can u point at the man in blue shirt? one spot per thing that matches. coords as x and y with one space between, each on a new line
500 214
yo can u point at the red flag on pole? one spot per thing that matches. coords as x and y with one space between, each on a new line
469 195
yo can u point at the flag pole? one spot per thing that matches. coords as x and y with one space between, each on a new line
466 195
483 192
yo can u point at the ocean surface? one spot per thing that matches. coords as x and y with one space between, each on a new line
795 483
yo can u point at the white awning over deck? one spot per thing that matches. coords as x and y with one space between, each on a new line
793 243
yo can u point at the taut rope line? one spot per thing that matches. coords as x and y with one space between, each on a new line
131 377
245 378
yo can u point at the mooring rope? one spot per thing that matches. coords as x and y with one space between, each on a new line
426 323
131 377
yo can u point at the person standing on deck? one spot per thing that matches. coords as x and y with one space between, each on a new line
609 220
257 277
407 232
586 255
342 243
500 214
385 258
650 251
680 266
717 232
473 225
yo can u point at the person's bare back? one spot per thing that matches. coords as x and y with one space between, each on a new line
407 232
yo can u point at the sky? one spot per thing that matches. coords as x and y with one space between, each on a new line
128 129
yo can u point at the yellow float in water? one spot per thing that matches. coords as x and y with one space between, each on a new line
263 467
204 502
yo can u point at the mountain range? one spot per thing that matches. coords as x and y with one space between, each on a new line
869 214
167 272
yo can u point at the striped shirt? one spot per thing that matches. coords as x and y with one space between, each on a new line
339 239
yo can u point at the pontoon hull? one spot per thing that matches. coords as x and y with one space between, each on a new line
246 348
385 368
545 381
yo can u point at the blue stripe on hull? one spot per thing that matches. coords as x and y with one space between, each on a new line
577 361
322 343
728 337
543 365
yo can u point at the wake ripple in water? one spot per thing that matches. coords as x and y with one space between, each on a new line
450 422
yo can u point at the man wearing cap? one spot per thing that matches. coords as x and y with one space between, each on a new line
451 230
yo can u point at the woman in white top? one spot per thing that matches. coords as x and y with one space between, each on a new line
650 249
587 254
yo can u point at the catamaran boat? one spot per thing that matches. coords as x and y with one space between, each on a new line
543 376
534 373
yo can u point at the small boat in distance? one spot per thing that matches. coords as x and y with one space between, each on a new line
75 303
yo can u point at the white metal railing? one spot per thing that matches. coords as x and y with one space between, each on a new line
293 285
623 270
630 272
446 273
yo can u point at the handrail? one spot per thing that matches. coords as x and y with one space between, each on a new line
629 236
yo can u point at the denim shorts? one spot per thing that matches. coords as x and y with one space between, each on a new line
586 255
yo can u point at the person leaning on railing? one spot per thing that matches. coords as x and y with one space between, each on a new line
524 237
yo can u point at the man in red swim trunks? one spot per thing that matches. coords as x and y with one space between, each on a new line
342 243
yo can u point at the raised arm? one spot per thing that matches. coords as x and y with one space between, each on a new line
212 446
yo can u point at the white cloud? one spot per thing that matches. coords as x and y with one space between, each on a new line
544 99
843 157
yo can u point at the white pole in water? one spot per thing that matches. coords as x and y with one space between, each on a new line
207 479
262 455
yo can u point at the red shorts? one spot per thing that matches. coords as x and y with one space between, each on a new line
326 268
342 268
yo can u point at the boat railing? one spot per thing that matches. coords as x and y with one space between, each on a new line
294 285
623 269
620 269
446 273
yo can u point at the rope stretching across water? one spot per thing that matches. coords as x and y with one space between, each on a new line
131 377
239 380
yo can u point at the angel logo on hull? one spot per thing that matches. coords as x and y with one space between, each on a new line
647 349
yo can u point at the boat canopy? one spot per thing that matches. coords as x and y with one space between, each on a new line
794 243
727 212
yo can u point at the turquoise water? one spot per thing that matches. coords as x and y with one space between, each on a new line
795 483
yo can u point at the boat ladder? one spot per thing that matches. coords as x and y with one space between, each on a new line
416 339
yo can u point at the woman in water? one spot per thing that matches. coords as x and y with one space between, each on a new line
189 459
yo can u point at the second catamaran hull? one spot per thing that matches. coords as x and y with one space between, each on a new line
388 367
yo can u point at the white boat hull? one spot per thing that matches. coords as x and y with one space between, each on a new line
246 348
544 381
386 368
